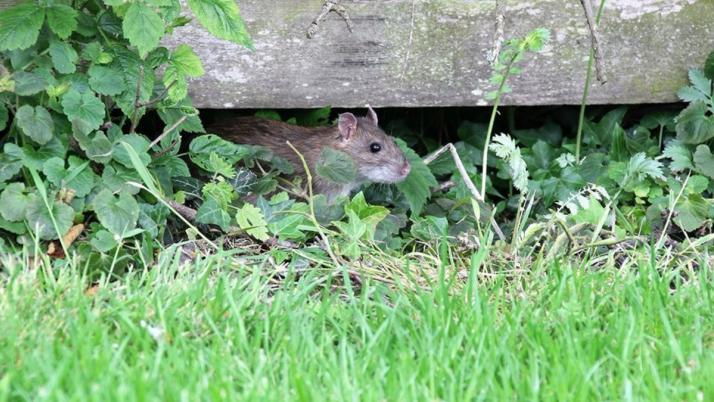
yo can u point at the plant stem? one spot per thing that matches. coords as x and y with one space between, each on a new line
586 91
492 120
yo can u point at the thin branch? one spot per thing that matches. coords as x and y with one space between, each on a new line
595 38
159 98
186 212
465 177
167 131
498 38
327 7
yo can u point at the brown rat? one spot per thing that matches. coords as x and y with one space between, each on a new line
376 156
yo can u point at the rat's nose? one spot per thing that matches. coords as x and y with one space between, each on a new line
404 170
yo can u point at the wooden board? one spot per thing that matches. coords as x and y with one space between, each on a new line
434 53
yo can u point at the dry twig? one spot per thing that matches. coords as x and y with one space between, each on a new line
595 37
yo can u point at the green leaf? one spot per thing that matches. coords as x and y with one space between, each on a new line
98 148
140 145
176 83
10 162
694 126
186 61
505 148
36 123
78 177
63 57
117 214
62 20
336 166
417 186
143 27
700 82
370 215
222 19
251 220
85 109
680 155
691 212
39 218
3 116
202 147
20 25
430 228
221 191
704 161
211 213
13 202
103 241
27 84
691 94
106 80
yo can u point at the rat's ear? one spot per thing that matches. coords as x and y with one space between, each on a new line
347 124
372 115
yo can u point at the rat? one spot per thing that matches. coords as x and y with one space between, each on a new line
376 156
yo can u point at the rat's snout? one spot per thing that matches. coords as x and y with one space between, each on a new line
405 169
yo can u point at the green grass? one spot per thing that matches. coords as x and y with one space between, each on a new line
557 332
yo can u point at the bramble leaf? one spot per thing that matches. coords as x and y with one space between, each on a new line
417 185
222 19
186 61
143 27
336 166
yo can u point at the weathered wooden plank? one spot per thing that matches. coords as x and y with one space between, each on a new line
433 53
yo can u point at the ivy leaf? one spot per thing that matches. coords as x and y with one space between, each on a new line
27 84
84 108
201 148
680 155
251 220
39 218
704 161
106 80
36 123
62 20
222 19
13 202
694 126
143 27
20 25
336 166
186 61
63 57
417 186
118 215
211 213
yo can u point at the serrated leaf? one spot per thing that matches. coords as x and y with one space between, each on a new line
251 220
211 213
336 166
62 20
20 25
704 161
416 187
39 218
27 84
117 214
83 108
13 202
222 19
700 82
106 80
186 61
680 155
370 215
694 126
36 123
691 94
201 148
63 57
176 83
143 27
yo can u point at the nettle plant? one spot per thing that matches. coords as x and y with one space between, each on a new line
76 78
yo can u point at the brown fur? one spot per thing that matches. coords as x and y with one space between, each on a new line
388 165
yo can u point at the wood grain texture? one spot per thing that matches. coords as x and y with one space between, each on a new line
434 53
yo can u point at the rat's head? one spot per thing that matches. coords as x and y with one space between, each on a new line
377 157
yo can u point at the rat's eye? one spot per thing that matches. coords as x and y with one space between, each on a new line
375 147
